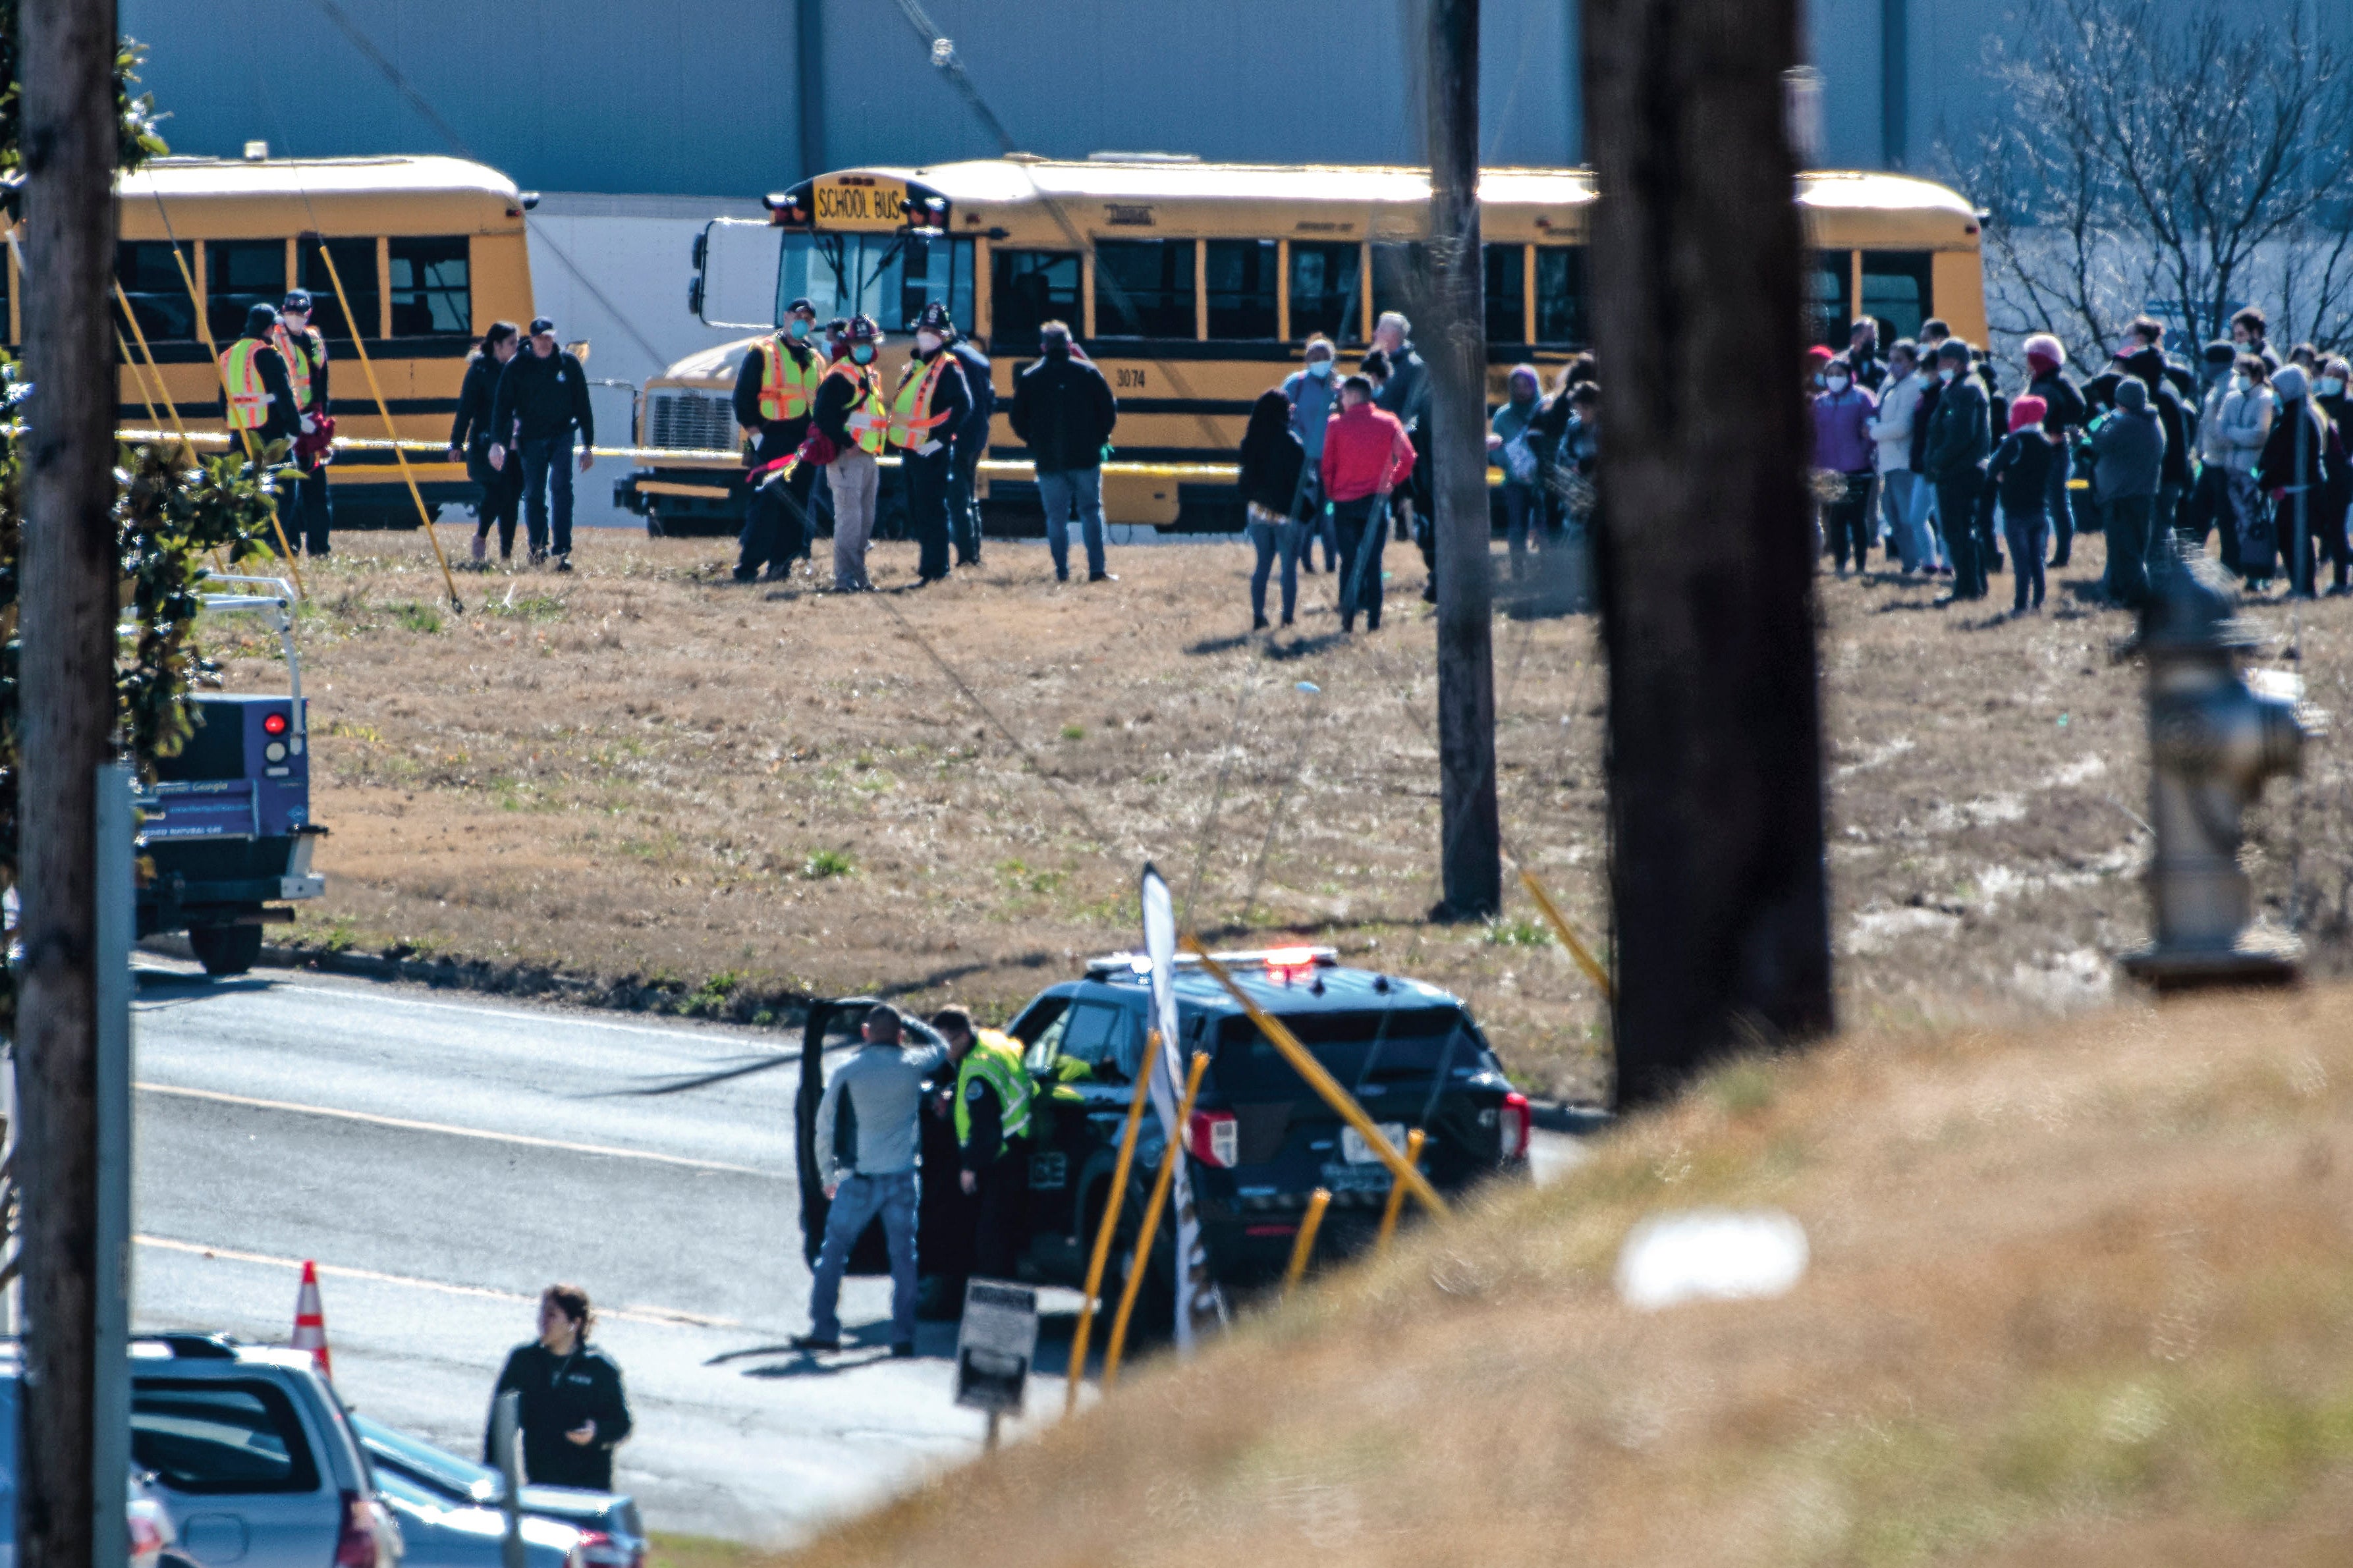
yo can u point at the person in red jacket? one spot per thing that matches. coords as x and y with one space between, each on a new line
1367 454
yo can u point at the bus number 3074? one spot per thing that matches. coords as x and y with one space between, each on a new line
1127 378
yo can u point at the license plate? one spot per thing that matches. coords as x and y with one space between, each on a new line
1356 1151
856 203
1372 1178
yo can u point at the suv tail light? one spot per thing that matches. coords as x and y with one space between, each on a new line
151 1531
359 1544
595 1549
1515 1123
1216 1138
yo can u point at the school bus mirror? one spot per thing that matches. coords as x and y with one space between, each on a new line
529 199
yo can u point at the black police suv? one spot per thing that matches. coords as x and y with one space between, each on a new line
1260 1140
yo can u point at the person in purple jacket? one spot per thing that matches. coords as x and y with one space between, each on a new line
1843 446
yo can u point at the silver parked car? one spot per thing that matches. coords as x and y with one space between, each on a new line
252 1455
613 1535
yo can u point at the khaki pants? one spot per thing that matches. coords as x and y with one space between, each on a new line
854 478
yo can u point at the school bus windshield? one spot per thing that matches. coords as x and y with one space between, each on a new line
890 277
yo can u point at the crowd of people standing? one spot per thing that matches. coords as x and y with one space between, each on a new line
2155 456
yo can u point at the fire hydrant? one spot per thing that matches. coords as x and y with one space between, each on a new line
2213 740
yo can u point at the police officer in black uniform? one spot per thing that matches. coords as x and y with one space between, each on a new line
573 1411
773 534
971 444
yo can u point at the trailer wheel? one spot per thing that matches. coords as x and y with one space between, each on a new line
225 950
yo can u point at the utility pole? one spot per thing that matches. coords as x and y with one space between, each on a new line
67 604
1706 555
1456 347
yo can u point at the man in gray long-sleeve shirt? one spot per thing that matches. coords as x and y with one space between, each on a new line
883 1089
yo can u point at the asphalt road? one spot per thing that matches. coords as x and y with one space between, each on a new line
444 1159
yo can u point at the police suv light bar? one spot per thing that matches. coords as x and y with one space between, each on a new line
1115 963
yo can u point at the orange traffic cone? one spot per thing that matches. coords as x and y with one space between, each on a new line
311 1320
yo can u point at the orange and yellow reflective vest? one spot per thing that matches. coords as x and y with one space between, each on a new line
249 399
296 352
867 419
911 411
787 387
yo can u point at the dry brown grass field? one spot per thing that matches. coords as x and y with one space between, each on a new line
2081 1294
722 796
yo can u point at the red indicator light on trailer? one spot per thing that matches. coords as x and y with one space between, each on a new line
274 724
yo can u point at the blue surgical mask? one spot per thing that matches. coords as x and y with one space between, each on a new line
799 328
863 353
1320 368
2331 386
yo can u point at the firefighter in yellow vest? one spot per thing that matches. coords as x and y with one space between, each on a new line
850 416
256 396
991 1109
311 516
775 393
928 404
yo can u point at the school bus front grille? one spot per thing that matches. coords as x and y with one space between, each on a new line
691 420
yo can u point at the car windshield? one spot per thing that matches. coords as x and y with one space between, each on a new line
460 1480
1358 1047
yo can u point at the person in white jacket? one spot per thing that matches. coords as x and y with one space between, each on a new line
1902 500
2242 426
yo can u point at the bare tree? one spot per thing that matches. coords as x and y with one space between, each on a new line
2145 156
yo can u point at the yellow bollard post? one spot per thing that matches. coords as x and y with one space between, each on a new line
197 303
1151 1223
1576 950
1397 1192
1305 1065
399 453
1304 1248
1112 1202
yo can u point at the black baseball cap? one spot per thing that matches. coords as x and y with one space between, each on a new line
542 324
297 300
801 308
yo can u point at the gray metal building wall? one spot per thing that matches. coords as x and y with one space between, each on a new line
703 97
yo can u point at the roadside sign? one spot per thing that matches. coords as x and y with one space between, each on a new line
994 1350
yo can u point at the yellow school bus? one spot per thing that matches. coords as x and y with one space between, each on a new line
1193 287
429 252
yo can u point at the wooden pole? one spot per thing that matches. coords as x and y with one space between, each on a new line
1705 552
1455 344
66 68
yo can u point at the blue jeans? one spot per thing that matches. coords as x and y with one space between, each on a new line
2026 533
1363 525
855 1203
1072 490
548 460
1274 541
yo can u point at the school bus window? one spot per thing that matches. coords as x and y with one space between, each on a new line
158 294
1241 290
933 270
890 277
355 265
1026 289
1507 306
430 292
1325 291
238 275
1560 296
1143 288
1399 271
1896 292
1829 283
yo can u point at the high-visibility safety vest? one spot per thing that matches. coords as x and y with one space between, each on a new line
787 387
911 411
296 352
868 418
249 399
995 1060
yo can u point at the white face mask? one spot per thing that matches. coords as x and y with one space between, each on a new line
1837 385
1946 372
927 343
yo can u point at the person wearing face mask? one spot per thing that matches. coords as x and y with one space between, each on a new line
2250 332
2244 428
2128 468
2065 412
1906 511
926 407
971 442
1313 391
1063 411
775 391
470 442
1959 437
1843 446
2302 469
2333 395
847 429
